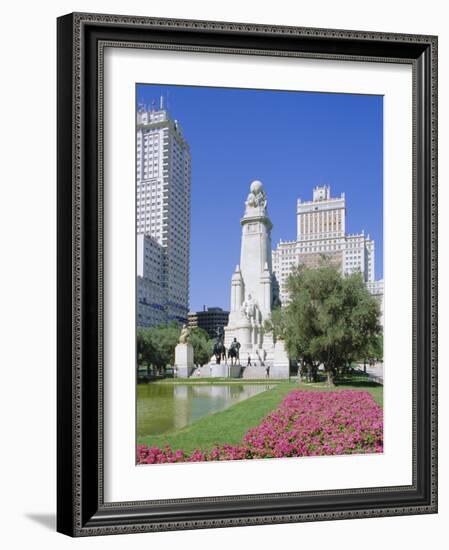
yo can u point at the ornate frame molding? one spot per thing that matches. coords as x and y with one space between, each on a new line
81 42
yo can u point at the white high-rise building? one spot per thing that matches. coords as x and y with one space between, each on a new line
377 289
163 173
321 231
150 281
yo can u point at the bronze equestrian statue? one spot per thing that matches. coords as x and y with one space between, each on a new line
234 352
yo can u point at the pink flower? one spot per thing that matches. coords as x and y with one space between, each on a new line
306 423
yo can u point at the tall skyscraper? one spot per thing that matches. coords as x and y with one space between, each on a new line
321 230
163 173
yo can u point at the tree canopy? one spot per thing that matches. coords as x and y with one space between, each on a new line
202 346
156 345
330 319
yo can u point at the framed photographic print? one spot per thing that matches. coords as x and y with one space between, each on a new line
247 279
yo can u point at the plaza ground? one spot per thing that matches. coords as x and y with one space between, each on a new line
230 425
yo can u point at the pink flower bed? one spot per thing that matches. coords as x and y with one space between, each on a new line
306 423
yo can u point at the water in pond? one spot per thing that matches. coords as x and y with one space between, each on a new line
164 408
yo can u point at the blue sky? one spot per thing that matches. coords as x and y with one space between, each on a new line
291 141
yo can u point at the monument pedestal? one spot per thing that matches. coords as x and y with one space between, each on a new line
281 362
268 344
184 360
224 370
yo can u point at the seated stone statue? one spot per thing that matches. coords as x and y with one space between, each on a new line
249 308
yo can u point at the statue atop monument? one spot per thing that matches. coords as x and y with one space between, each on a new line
257 197
184 354
185 334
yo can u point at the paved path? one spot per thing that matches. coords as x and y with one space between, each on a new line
375 372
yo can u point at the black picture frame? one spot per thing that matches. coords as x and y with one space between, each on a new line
81 510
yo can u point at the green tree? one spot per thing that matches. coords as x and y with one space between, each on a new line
156 346
202 346
145 349
276 324
165 339
375 350
329 319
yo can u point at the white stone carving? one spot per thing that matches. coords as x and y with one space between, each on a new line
257 197
249 308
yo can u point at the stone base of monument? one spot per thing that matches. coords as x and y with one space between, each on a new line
235 371
184 372
184 360
225 371
279 372
281 362
255 372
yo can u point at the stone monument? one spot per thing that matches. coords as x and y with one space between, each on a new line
184 355
281 362
252 283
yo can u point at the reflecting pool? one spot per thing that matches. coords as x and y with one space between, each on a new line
165 408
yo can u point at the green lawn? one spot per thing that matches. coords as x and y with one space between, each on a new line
230 425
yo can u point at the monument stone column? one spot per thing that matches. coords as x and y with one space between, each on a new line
251 284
